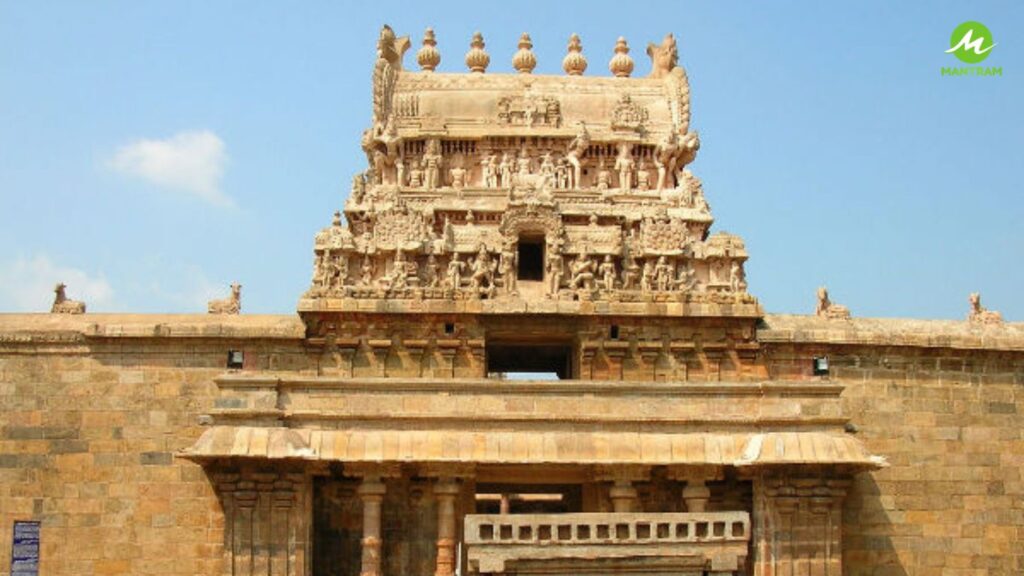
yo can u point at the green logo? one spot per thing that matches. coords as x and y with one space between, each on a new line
971 42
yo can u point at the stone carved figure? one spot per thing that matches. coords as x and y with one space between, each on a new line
979 314
507 270
663 275
624 165
62 304
555 271
523 163
482 273
432 165
826 309
337 271
604 177
562 174
505 170
666 154
489 171
366 272
415 177
647 281
458 176
607 273
687 281
577 148
433 272
643 177
547 167
230 305
582 269
737 278
455 268
630 273
664 58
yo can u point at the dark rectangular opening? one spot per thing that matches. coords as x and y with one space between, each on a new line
531 258
529 361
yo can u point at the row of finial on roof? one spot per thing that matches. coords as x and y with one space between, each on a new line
524 61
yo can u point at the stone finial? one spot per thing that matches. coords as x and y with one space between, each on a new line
524 60
621 64
477 59
428 56
574 63
336 220
61 303
979 314
230 305
826 309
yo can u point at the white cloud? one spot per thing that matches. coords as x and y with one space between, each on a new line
191 162
26 285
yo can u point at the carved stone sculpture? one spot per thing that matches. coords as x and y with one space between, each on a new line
826 309
577 148
664 58
465 170
979 314
63 305
624 165
230 305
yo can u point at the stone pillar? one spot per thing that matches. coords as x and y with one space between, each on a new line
505 505
371 492
623 496
266 520
696 493
623 493
797 524
446 490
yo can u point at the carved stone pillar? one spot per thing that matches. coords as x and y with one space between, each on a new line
623 493
797 525
696 492
371 491
265 520
447 488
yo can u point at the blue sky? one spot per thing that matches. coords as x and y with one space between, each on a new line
153 152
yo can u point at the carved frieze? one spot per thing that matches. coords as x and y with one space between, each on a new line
593 239
628 115
527 110
400 228
663 236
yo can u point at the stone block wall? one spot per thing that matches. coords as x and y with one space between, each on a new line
89 428
951 424
90 420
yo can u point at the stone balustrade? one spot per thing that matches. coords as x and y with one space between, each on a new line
716 541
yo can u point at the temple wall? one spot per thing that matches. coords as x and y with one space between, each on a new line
89 427
88 433
951 424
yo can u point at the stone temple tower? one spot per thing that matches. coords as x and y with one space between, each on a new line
526 351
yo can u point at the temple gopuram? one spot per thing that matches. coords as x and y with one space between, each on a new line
524 351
